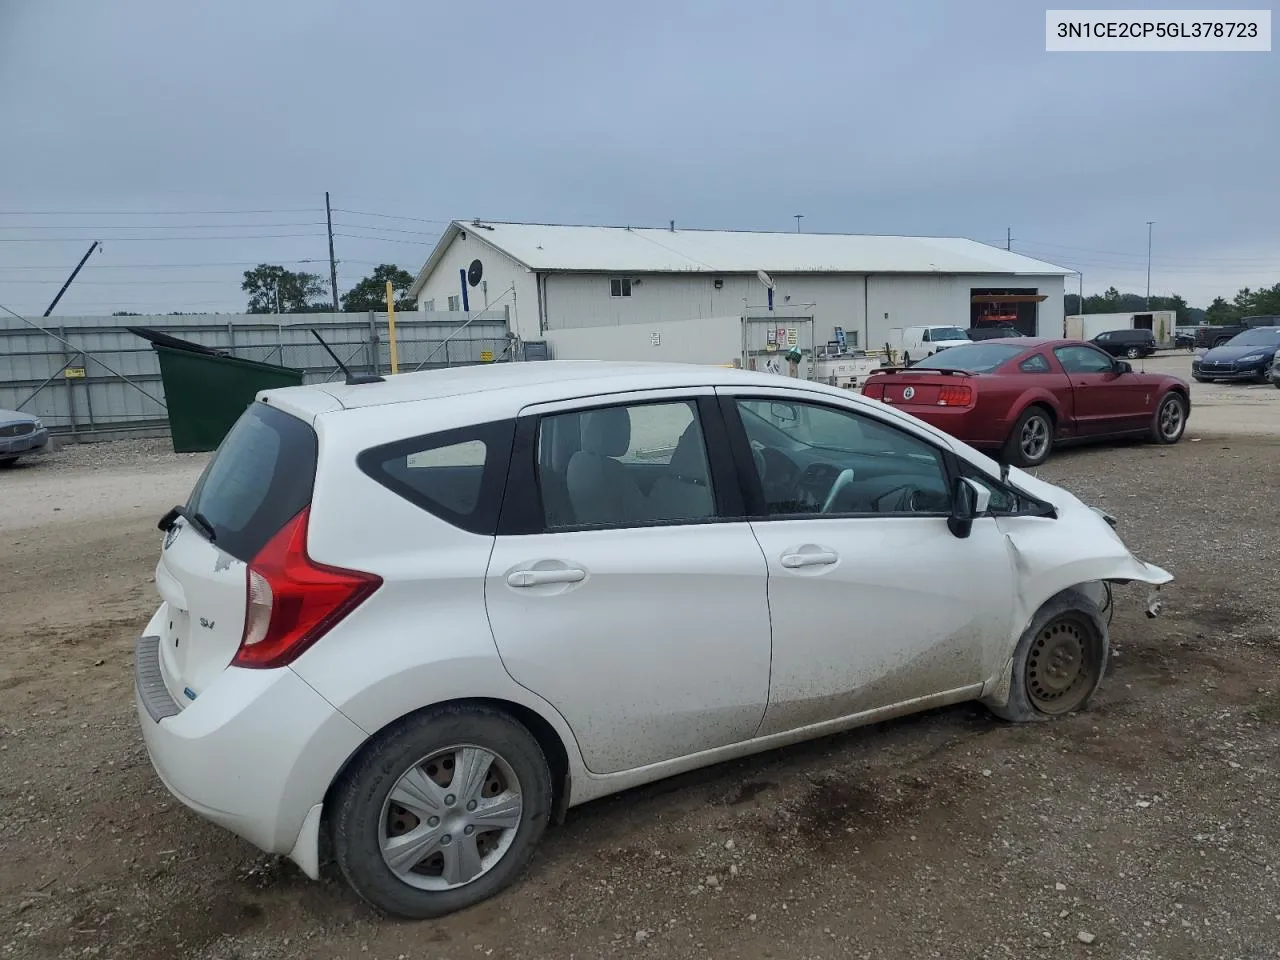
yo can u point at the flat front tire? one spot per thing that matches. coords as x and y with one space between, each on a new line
1169 421
1059 661
441 811
1031 439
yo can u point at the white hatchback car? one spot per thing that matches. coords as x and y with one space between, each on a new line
422 617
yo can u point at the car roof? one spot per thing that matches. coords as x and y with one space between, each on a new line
529 381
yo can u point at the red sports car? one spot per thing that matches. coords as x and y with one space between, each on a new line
1021 396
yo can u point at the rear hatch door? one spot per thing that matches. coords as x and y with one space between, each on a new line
258 480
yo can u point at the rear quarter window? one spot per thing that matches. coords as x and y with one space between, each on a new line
260 478
456 475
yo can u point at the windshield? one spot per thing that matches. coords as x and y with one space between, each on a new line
259 479
947 333
976 358
1257 337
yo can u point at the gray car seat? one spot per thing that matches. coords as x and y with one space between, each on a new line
600 488
683 493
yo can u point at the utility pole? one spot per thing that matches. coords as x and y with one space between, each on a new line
1148 303
333 264
1008 238
799 217
92 247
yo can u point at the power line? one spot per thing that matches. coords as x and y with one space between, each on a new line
262 236
1143 257
145 213
189 266
178 226
365 226
388 216
352 236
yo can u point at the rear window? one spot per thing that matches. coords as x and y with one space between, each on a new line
978 358
259 479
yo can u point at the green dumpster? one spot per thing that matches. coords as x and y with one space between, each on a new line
206 390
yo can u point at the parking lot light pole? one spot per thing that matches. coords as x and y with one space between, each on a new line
1147 306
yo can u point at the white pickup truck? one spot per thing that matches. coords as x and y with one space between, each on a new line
916 343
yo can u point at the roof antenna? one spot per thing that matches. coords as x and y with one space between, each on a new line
352 378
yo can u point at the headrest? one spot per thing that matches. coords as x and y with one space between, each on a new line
688 460
606 433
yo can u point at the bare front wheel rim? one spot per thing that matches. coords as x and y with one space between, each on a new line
1035 438
1171 419
1062 666
450 818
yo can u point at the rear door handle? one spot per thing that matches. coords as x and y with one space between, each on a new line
818 559
536 578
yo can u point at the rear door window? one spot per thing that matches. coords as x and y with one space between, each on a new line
456 475
259 479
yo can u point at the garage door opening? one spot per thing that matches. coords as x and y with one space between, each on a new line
1018 306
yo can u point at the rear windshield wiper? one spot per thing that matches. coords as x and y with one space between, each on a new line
193 517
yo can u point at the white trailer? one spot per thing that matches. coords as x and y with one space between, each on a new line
1162 323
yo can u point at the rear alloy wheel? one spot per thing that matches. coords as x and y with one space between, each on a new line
441 812
1170 419
1031 439
1059 662
906 359
1133 353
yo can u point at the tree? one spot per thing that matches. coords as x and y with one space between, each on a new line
1219 312
125 313
371 292
274 289
1252 303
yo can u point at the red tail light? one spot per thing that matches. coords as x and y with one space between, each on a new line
873 388
294 601
955 396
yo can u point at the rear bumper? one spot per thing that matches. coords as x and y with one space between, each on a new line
27 443
254 753
963 424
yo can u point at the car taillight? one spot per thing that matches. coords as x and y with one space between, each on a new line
292 600
873 388
955 396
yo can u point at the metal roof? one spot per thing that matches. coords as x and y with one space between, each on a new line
563 249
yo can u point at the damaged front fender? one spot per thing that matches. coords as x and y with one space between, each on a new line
1077 549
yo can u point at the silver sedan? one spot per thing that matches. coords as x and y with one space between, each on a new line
20 434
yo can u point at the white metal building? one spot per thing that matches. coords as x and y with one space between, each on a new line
634 293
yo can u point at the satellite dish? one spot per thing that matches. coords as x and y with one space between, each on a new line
765 279
475 272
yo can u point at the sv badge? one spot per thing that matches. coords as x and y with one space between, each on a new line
207 624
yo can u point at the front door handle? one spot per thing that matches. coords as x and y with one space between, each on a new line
536 578
818 558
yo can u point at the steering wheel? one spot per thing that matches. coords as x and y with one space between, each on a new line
841 484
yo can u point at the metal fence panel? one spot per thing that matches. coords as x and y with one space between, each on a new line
107 382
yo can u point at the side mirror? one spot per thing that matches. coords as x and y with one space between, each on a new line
1124 366
969 501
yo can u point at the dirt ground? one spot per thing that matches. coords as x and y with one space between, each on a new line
1147 824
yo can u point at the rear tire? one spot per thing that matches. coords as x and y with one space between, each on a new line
1169 421
5 464
420 760
1059 661
1031 440
906 359
1133 353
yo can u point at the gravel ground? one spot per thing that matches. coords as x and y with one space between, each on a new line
1145 827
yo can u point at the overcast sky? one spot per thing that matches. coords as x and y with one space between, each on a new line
934 118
